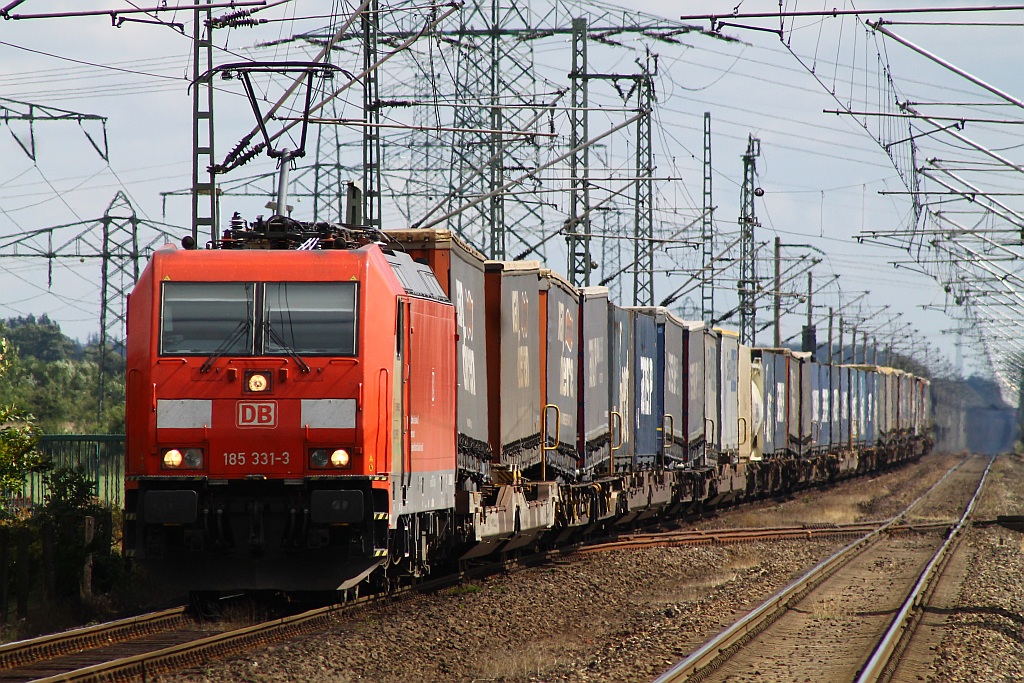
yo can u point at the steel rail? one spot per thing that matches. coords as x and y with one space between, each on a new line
748 535
143 666
23 652
720 648
884 657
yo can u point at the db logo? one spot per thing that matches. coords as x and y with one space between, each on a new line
257 414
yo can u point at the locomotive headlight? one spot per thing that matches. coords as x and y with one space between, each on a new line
322 458
183 458
339 458
173 458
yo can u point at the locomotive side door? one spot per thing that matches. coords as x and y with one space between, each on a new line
399 428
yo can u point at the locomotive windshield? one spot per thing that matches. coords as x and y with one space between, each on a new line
310 317
262 319
205 317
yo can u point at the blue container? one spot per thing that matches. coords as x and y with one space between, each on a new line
645 371
870 407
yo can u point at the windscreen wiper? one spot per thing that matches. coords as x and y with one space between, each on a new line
240 329
272 333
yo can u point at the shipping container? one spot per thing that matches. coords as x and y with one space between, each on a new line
749 421
869 389
774 370
871 407
620 386
728 400
594 390
670 387
821 395
513 364
559 367
693 359
802 359
459 270
645 365
835 410
712 401
793 398
856 406
845 401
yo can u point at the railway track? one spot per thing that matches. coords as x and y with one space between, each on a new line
751 535
852 615
139 648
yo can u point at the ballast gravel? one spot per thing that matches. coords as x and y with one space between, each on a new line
629 615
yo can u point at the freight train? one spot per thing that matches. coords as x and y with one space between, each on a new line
311 406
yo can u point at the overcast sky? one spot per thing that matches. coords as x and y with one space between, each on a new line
822 174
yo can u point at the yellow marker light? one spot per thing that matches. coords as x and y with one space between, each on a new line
257 383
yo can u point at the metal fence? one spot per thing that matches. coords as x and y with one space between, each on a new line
101 457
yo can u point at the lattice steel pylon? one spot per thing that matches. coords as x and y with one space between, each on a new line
115 239
475 92
371 197
707 232
204 180
578 223
643 273
748 282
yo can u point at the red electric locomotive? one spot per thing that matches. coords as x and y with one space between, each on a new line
290 410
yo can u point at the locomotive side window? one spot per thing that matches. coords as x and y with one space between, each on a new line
310 318
207 317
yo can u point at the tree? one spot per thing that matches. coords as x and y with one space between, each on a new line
56 379
19 440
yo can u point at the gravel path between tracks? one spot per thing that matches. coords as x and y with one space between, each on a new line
984 638
617 616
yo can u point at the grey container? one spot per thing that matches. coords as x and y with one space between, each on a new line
774 373
560 308
460 271
845 401
712 400
693 359
805 442
834 408
728 400
821 395
594 390
620 385
513 373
